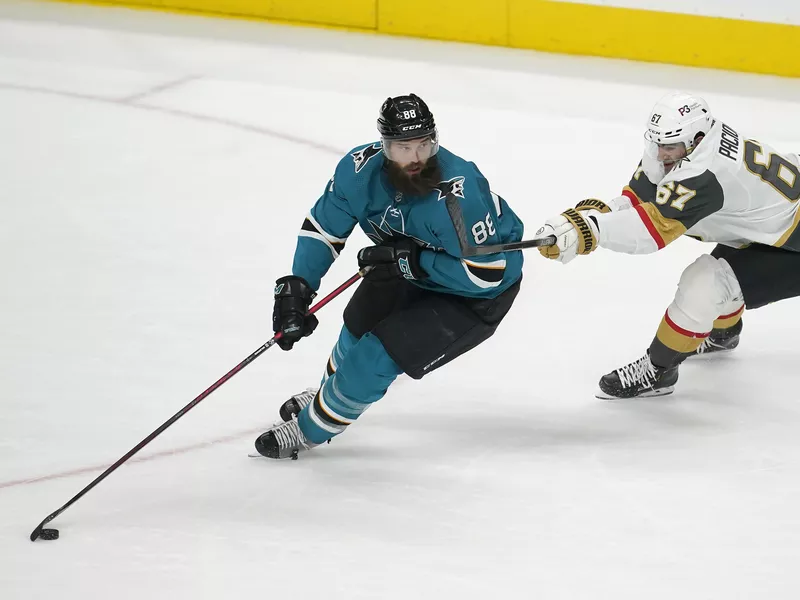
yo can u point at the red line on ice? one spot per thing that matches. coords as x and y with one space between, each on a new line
154 456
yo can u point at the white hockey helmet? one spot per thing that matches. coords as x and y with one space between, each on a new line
679 118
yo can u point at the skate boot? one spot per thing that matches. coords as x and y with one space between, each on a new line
720 340
292 407
639 379
283 440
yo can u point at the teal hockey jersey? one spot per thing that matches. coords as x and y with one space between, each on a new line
461 212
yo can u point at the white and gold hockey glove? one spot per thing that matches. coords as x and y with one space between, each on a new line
594 204
576 233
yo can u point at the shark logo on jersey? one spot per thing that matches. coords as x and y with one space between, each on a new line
361 157
392 227
386 234
451 187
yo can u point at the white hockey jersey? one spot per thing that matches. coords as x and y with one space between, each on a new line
730 190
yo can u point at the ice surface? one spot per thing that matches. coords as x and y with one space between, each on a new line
154 170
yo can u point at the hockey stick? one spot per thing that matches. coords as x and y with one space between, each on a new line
52 534
550 240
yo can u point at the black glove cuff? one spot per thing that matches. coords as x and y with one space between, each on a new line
292 286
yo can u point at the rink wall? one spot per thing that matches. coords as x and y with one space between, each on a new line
741 35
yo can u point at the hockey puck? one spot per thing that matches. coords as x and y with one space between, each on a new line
49 534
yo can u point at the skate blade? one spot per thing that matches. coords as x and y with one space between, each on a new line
712 354
651 394
257 455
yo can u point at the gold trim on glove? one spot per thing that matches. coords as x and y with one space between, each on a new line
593 204
586 238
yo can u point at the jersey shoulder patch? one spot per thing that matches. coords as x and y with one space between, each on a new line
361 156
451 187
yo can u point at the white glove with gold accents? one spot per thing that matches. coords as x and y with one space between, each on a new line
575 229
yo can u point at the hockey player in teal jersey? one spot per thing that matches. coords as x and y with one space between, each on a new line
422 303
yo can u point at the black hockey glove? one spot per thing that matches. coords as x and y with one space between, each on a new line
293 296
391 260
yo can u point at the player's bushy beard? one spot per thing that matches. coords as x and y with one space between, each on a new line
415 185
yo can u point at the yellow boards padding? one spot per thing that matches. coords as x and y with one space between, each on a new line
477 21
655 36
360 14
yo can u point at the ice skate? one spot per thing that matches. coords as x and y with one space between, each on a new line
639 379
292 407
283 440
720 340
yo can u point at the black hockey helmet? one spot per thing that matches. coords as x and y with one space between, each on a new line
406 117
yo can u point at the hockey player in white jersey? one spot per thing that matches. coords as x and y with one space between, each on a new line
702 178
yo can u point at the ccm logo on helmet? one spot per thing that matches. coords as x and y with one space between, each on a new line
411 127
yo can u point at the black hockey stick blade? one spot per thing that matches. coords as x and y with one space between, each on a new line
37 533
550 240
